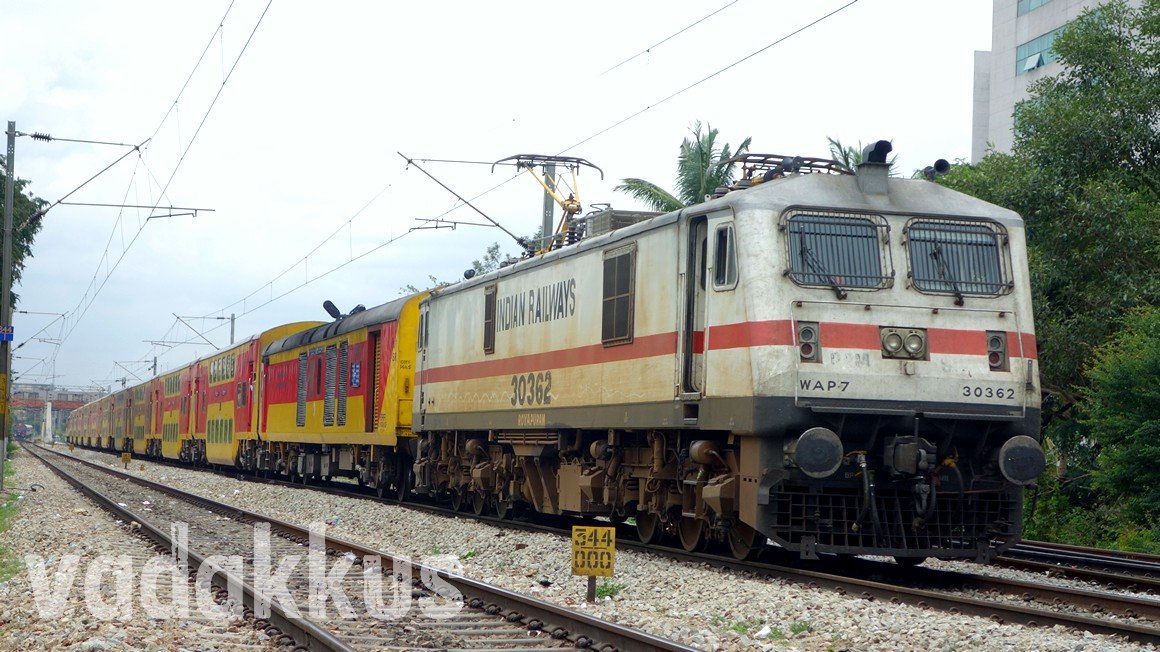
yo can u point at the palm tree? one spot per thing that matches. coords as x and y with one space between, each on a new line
701 169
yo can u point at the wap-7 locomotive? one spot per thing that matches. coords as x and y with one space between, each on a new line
839 363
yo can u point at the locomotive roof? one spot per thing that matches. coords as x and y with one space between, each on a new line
916 197
389 311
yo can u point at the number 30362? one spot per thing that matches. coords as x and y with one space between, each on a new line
989 392
532 389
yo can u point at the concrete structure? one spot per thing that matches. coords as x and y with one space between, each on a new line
35 406
1021 35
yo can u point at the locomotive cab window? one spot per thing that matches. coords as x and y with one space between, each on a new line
725 259
489 319
838 250
958 257
619 282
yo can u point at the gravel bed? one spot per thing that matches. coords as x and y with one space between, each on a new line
707 608
57 521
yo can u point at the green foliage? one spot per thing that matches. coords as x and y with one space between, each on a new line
489 262
468 555
608 589
1084 172
701 169
1121 408
9 565
26 222
801 626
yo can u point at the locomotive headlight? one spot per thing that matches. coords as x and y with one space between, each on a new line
892 342
915 344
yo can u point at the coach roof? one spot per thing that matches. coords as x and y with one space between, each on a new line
378 315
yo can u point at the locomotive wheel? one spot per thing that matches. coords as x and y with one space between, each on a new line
504 509
456 500
692 533
381 485
478 502
648 527
744 541
909 562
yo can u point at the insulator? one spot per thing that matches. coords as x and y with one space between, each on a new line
39 136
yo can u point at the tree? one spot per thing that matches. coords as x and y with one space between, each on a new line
1121 408
701 169
26 222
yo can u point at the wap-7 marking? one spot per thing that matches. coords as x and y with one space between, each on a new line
833 386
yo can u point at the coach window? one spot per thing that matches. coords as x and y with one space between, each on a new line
489 319
725 259
619 282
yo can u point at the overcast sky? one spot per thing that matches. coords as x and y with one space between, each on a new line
302 140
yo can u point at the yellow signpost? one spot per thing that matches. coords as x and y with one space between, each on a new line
593 554
125 459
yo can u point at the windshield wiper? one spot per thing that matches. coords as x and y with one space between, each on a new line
812 260
944 272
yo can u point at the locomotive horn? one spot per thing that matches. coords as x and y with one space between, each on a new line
940 166
331 309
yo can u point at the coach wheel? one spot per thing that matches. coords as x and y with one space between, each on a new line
478 502
744 541
648 527
692 533
457 499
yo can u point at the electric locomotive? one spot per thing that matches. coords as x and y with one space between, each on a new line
836 361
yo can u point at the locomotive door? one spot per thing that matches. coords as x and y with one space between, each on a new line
693 329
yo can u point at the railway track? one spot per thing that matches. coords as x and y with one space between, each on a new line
440 610
1029 603
1128 571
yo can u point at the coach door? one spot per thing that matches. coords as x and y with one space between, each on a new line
693 329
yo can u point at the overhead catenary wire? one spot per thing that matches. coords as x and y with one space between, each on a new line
709 76
176 168
602 131
670 37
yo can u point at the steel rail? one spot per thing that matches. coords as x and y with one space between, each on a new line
845 584
582 629
304 632
1140 564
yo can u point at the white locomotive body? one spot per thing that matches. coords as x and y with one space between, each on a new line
839 363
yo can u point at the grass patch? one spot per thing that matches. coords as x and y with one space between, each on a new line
608 589
800 627
9 564
467 555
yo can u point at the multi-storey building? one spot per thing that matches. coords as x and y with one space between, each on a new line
1022 32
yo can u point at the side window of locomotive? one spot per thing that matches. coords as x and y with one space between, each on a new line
957 257
838 250
725 259
489 319
619 282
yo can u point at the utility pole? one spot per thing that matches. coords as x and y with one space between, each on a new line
6 298
549 226
231 328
